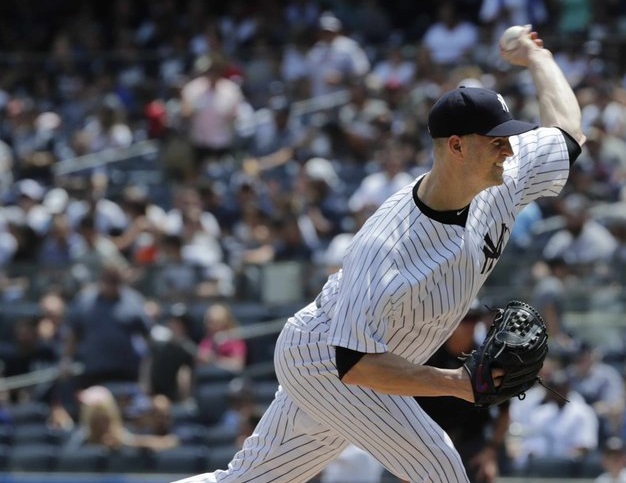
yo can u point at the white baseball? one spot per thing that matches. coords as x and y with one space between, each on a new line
510 38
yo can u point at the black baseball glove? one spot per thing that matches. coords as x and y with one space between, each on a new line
516 342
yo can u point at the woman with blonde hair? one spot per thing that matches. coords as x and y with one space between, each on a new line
101 423
221 344
100 420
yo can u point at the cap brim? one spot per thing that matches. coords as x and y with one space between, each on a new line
510 128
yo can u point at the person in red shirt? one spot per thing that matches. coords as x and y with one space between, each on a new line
221 345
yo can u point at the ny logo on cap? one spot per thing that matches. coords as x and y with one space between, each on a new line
504 106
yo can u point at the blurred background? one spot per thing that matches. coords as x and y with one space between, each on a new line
178 177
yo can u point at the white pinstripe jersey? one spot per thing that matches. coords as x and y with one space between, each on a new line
407 279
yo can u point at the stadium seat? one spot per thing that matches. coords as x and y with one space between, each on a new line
590 466
220 456
261 351
183 413
191 433
550 467
33 433
250 312
213 401
28 412
221 435
181 460
129 460
6 435
265 391
5 452
33 457
208 373
86 459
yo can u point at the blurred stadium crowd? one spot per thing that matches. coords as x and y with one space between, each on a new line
178 176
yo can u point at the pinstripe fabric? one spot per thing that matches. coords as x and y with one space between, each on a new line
405 284
407 279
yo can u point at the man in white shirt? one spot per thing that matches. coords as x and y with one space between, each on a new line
335 59
211 104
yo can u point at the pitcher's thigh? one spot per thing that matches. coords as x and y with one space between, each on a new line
287 446
393 429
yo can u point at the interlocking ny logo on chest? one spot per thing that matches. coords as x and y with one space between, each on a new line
493 250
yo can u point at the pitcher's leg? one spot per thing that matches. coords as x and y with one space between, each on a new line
393 429
287 446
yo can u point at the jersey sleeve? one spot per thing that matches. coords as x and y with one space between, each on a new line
365 296
542 165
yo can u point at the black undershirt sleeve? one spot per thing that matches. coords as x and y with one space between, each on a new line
573 148
345 359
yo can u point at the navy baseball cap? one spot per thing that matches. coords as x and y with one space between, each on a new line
473 110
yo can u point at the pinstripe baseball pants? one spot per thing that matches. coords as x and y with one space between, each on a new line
314 416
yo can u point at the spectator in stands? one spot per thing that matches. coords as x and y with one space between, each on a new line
522 234
61 245
52 317
602 106
211 105
251 239
175 278
613 461
192 235
278 136
109 127
242 407
41 147
319 202
156 423
549 296
91 198
105 319
97 248
260 71
617 225
301 14
335 59
364 122
602 387
376 16
221 344
394 70
573 61
173 355
28 208
25 353
138 239
22 242
378 186
101 423
601 166
294 70
289 242
582 242
450 40
6 168
556 427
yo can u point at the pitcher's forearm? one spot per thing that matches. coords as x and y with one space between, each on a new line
391 374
